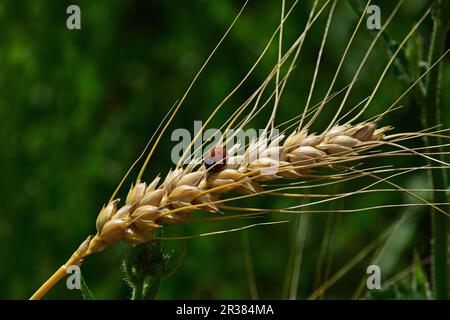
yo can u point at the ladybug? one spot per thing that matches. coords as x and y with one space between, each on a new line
216 158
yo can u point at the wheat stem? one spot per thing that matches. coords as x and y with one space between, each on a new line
438 177
75 259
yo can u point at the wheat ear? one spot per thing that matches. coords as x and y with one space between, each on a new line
148 207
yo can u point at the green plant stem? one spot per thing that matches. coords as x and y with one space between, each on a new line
402 62
431 111
144 267
137 291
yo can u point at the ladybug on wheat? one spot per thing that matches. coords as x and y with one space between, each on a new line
216 158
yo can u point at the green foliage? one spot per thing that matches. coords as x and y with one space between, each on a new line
146 265
85 291
414 287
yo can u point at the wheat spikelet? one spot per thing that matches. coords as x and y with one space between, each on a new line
148 207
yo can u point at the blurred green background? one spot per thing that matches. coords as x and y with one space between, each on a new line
77 107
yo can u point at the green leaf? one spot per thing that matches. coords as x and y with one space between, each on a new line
420 283
401 63
85 291
178 261
414 287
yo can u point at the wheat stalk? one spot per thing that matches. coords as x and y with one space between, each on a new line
148 207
